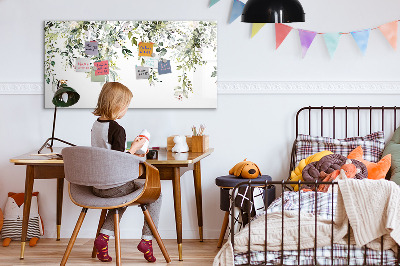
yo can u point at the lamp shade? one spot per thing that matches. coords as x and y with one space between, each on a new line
65 96
273 11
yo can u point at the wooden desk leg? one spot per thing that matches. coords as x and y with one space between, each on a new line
176 183
199 204
60 191
27 206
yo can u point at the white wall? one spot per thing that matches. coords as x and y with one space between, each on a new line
259 127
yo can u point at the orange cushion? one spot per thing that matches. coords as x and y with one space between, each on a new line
375 170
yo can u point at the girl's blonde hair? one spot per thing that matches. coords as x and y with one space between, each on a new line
113 98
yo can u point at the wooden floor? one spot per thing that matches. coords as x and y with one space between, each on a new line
50 252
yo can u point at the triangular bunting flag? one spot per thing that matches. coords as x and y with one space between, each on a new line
255 28
390 32
306 39
281 31
237 9
213 2
361 38
332 41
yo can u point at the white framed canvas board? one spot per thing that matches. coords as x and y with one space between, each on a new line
166 64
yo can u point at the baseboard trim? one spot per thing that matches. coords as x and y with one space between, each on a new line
259 87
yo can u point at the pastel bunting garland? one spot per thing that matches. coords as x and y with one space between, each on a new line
389 30
256 28
213 2
281 31
306 39
237 8
361 37
332 42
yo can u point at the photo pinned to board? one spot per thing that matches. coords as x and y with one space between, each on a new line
101 68
91 48
82 65
151 62
94 78
164 67
142 72
146 48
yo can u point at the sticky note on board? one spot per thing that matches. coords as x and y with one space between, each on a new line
101 68
150 62
142 72
145 48
97 78
164 68
82 65
91 48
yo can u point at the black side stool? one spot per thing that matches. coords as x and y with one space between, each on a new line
226 183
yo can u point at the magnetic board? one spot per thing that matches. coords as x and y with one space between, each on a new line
166 64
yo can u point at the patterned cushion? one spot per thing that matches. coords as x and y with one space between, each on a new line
372 144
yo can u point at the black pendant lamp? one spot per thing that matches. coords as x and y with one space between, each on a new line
273 11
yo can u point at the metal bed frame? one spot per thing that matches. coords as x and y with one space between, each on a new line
283 184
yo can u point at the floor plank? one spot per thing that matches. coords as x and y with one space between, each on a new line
49 252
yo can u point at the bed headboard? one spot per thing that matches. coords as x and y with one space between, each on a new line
344 121
377 116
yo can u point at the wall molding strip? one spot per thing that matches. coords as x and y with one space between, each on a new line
21 88
260 87
309 87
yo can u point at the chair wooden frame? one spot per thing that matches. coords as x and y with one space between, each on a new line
150 193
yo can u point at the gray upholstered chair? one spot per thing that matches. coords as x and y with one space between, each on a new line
85 167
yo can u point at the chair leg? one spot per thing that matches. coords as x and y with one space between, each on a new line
223 229
117 239
101 222
73 237
154 230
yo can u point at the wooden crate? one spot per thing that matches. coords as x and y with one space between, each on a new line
200 143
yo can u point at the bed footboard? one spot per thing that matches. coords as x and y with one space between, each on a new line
383 258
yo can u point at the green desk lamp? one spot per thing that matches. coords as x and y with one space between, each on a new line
64 97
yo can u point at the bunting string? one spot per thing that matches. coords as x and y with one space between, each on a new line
361 37
343 33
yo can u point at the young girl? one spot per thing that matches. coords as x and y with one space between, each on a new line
112 104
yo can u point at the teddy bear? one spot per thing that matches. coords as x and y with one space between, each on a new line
245 169
13 215
180 144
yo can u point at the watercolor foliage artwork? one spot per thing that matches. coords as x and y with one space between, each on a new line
177 60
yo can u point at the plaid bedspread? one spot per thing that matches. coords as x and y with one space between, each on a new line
340 253
321 205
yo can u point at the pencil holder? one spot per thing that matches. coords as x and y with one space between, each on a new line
200 143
